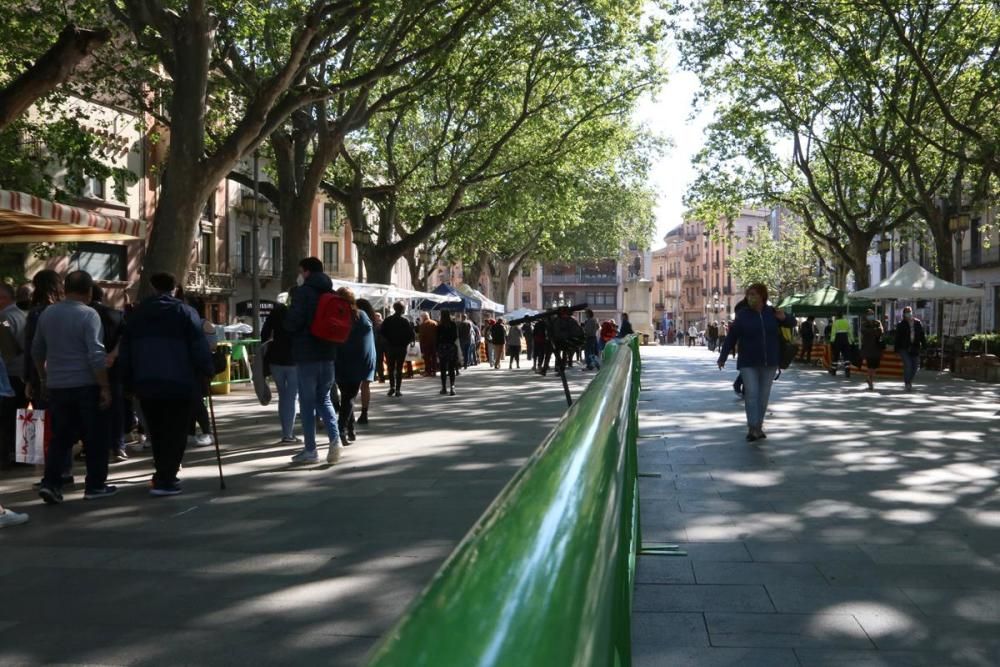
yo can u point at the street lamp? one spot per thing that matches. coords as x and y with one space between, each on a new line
958 224
884 245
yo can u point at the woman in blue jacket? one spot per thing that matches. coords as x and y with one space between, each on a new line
355 364
755 331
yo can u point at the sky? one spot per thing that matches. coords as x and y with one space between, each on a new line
670 116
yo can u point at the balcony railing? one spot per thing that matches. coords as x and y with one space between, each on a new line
578 279
978 257
202 281
690 257
691 237
659 278
673 273
696 278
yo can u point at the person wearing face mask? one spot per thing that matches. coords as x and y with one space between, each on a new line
755 330
871 345
909 339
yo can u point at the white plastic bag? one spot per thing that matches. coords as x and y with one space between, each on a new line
30 436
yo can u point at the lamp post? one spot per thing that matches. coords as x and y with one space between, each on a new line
958 224
884 245
255 245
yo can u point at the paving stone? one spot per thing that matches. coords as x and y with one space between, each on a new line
650 655
832 658
717 551
922 555
706 572
703 597
772 552
663 570
786 630
974 605
662 630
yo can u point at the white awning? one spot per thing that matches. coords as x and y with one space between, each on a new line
28 219
912 281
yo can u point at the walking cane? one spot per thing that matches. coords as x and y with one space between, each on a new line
215 436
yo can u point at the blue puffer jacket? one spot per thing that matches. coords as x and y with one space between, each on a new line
757 337
301 310
163 353
356 357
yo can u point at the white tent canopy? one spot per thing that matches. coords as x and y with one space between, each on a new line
519 313
476 294
912 281
383 296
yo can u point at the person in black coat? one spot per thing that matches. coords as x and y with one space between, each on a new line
909 339
398 334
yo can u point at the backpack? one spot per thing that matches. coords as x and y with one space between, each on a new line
333 319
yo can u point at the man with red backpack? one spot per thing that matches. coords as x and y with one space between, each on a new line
314 357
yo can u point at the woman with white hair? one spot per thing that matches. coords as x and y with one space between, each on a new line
279 358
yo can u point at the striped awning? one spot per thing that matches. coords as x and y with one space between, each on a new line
28 219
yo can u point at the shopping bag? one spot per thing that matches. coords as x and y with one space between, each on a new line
30 436
413 352
259 374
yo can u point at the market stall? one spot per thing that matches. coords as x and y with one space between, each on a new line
28 219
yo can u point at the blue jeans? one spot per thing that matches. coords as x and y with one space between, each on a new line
911 362
590 352
75 415
757 381
287 380
315 380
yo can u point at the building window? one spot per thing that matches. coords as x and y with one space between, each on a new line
205 250
331 256
526 272
525 298
749 232
94 187
208 213
330 223
245 253
103 261
275 255
600 299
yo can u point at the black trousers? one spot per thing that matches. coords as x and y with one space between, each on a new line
807 349
168 421
396 357
345 412
200 418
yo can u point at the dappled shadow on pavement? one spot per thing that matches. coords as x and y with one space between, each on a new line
291 564
865 529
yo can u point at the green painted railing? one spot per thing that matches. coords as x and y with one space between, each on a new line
545 577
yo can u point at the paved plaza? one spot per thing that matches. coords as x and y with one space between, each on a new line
291 565
864 531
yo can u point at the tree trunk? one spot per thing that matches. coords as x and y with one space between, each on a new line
173 230
187 182
944 248
859 260
296 224
378 262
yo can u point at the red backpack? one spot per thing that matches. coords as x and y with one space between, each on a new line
333 319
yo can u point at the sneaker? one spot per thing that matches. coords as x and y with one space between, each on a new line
443 392
289 441
9 518
305 456
351 436
121 455
452 392
204 440
50 496
166 490
68 480
105 491
392 392
333 454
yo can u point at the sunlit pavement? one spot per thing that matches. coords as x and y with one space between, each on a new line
291 565
864 531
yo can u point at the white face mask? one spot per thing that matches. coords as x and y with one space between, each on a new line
300 281
908 316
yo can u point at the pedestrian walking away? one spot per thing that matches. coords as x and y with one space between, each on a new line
591 329
279 360
498 339
447 353
427 333
13 322
71 363
755 331
398 335
514 344
871 346
355 366
167 364
314 361
807 333
841 340
465 340
692 335
909 340
626 327
201 419
365 306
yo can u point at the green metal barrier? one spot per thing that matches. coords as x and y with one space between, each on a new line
545 577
